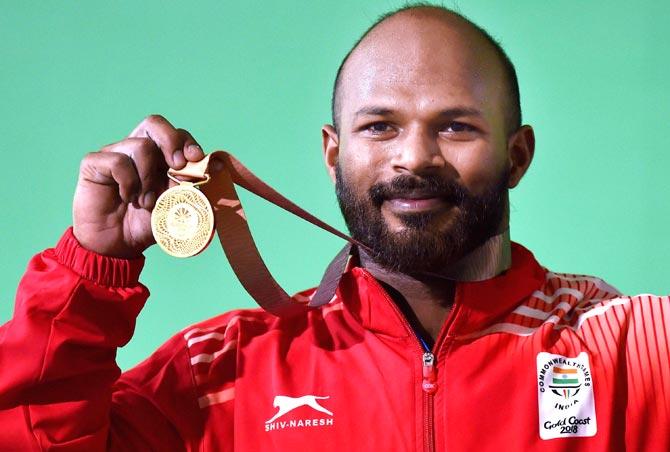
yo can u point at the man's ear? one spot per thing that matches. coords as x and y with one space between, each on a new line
520 148
331 149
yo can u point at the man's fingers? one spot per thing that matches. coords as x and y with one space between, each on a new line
192 150
150 167
151 148
112 169
177 145
167 138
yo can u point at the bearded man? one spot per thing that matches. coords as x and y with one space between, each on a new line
442 335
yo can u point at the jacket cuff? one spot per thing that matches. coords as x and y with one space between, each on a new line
104 270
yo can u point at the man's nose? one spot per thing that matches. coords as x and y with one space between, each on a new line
418 152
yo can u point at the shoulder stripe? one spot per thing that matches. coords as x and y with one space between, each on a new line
209 357
538 314
595 311
205 337
217 397
561 291
548 319
231 321
599 283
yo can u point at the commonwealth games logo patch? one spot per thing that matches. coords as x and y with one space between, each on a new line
565 396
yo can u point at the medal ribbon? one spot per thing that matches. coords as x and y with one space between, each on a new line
240 249
238 243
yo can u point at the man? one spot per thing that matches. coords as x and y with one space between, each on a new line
413 353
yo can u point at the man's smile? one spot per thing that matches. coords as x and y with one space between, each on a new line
410 203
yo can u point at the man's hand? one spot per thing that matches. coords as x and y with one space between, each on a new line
118 187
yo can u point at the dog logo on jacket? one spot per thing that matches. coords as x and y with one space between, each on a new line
287 404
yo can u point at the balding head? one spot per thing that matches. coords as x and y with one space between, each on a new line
423 39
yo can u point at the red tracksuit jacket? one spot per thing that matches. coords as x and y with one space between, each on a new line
529 360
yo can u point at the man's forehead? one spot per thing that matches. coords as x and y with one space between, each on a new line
409 51
406 74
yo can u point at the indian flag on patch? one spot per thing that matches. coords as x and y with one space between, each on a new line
565 381
565 376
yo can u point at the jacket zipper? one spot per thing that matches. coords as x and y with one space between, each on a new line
429 386
428 365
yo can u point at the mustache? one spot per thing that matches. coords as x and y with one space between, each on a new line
431 185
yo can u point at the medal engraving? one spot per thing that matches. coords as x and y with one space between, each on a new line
182 221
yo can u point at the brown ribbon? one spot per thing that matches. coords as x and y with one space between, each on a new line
238 244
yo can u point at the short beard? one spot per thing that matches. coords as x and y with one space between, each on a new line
419 247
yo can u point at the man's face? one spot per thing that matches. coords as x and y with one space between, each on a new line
422 166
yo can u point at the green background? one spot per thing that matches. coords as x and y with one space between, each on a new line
255 78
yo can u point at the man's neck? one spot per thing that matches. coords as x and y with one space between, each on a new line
426 299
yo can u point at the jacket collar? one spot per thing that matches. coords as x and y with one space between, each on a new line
479 303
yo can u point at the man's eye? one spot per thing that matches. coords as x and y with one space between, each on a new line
456 127
378 127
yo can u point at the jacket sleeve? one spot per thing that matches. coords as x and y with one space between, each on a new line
59 382
647 372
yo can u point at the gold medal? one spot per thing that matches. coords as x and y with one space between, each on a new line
182 220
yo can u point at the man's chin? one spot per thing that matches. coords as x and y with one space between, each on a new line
433 222
416 251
